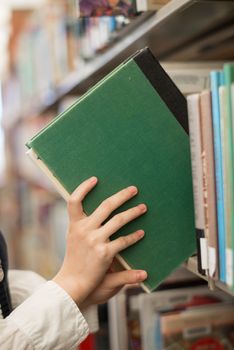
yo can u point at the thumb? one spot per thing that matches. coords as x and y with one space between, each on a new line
119 279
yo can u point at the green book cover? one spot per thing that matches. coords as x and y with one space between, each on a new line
131 129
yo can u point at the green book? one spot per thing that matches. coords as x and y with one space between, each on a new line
130 129
229 85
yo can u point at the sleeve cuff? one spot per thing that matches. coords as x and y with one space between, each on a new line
91 316
51 319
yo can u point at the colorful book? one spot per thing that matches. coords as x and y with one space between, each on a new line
194 117
199 328
152 306
209 194
216 82
228 112
97 8
130 128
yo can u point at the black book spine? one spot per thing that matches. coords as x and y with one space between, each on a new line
164 86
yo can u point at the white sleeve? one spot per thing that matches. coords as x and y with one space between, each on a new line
12 338
23 283
91 316
48 320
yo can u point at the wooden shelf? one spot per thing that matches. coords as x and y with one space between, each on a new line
191 265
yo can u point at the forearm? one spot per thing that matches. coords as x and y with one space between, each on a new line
48 319
24 283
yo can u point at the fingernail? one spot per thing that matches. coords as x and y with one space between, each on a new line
93 179
142 207
140 233
142 275
133 189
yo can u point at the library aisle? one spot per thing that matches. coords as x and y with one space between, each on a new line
52 53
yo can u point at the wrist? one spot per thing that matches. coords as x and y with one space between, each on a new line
84 304
70 287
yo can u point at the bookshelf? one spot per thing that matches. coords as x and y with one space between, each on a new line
132 304
191 265
162 31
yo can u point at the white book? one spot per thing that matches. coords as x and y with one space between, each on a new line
191 77
197 173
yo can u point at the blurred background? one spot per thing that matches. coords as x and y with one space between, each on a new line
49 56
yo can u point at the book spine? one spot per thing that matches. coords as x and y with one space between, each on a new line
216 80
197 173
228 108
77 8
232 98
164 86
150 5
209 182
117 319
190 82
226 158
141 5
150 321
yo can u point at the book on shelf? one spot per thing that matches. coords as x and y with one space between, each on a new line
127 8
130 128
191 77
216 81
201 141
227 112
199 328
226 163
97 8
209 193
148 311
150 5
70 42
193 102
211 134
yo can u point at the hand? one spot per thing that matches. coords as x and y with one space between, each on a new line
111 285
89 252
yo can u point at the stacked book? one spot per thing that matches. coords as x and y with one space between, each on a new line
69 43
211 115
128 8
181 318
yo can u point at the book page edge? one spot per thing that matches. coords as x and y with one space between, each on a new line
32 154
127 267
